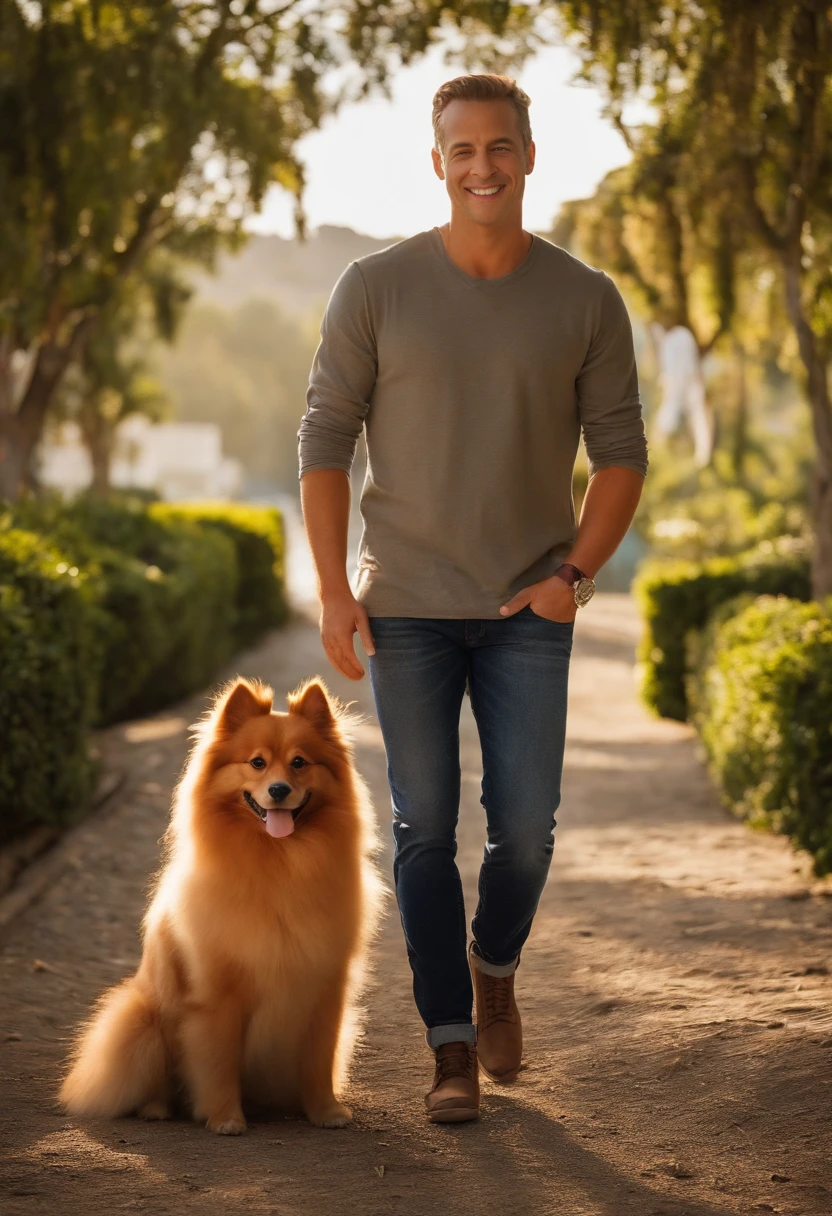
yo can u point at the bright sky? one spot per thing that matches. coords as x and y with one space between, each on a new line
369 167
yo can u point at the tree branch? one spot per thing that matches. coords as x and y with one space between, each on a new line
748 184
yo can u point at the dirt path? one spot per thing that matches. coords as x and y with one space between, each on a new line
675 994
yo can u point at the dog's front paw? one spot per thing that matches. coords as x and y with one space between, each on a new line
235 1126
335 1115
154 1110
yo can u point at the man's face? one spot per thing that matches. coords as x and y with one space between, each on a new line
484 164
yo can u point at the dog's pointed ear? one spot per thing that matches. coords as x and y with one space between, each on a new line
240 700
312 700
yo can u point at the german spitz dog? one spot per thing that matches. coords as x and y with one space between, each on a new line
256 937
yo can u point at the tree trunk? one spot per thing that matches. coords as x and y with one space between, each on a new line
817 389
97 434
13 457
739 438
822 516
21 429
100 459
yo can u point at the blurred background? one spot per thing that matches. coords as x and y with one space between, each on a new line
182 183
185 183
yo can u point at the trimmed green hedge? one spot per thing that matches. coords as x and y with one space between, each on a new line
259 540
762 704
677 598
126 607
49 666
168 591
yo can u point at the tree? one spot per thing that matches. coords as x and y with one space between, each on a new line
113 376
750 85
678 245
246 370
158 124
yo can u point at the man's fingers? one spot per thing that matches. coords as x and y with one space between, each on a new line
362 622
517 601
343 657
341 663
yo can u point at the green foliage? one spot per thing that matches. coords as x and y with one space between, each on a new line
113 378
166 589
677 598
696 514
247 370
762 699
49 665
134 129
716 211
126 608
258 537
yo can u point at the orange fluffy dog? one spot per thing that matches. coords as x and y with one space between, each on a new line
255 938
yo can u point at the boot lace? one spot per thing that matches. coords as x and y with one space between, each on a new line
452 1060
497 994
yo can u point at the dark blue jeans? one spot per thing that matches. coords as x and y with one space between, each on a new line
516 671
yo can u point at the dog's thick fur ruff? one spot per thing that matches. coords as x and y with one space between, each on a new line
254 948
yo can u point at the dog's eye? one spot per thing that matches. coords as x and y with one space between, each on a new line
298 762
258 762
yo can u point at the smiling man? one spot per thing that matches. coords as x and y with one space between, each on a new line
473 355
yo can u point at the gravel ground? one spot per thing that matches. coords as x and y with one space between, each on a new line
675 996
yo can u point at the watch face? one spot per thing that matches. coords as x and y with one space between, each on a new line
584 591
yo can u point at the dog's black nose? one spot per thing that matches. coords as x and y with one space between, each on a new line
279 790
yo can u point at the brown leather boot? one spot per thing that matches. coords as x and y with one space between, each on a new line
499 1030
455 1094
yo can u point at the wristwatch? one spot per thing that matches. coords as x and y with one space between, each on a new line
582 585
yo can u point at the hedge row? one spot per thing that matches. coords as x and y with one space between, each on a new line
677 598
125 608
258 538
762 704
48 648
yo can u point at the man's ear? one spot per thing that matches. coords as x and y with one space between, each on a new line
240 700
530 155
312 700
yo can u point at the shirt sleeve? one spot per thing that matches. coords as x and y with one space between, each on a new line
607 388
342 378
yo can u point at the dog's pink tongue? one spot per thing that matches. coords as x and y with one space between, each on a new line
279 823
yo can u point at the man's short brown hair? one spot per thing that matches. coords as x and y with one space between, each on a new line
482 87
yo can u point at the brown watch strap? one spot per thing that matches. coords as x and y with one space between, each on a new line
569 574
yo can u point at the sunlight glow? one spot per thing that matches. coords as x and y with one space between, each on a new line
369 167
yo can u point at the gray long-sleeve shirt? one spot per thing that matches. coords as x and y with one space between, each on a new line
472 393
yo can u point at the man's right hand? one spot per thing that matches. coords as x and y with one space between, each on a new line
341 616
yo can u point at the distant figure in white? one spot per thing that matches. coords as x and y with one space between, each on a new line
683 389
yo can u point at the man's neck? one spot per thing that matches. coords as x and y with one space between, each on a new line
485 253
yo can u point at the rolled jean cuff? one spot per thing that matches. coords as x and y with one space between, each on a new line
493 968
451 1032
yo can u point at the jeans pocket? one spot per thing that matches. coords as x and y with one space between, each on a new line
560 624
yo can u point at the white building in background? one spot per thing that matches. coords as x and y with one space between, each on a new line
179 460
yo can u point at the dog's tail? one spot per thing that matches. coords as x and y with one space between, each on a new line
119 1062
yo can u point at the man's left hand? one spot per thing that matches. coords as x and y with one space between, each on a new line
551 598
